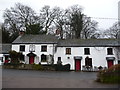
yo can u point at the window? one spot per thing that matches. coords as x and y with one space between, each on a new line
59 62
43 58
118 62
86 51
1 59
88 61
6 57
32 48
109 51
59 58
44 48
22 47
68 50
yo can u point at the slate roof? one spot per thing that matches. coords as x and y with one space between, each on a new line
49 39
88 42
35 39
6 48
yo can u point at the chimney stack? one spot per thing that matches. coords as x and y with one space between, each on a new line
22 31
57 32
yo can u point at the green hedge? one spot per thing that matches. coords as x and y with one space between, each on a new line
29 67
111 75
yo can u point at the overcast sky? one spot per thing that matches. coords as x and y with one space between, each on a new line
91 8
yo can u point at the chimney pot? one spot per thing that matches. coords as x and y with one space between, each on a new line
21 33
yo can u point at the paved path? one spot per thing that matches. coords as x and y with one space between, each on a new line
51 79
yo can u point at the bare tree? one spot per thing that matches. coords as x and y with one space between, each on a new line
60 22
8 37
89 29
112 32
75 19
71 22
10 21
81 26
47 16
20 16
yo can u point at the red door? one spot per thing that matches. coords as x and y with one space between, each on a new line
31 59
110 63
77 65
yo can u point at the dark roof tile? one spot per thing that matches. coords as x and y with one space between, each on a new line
89 42
36 39
47 39
6 48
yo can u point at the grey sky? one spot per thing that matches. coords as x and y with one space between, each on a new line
92 8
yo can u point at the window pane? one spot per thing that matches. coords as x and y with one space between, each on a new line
59 58
43 48
87 51
22 47
68 50
32 47
118 62
109 51
43 58
88 61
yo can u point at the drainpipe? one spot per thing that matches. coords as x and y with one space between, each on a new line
118 37
53 53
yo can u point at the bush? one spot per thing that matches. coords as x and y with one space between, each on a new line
14 57
37 67
13 66
62 67
48 67
111 75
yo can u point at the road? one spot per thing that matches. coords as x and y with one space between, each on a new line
50 79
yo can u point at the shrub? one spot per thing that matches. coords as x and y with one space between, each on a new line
62 67
14 57
111 75
37 67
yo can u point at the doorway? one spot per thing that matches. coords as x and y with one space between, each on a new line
77 64
31 59
88 61
110 63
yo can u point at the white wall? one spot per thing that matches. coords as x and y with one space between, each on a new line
98 55
38 52
1 57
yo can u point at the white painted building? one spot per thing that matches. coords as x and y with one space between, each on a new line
102 52
36 48
47 49
4 55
